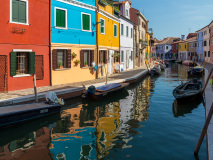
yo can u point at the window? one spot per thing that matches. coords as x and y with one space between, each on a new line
197 44
205 44
127 13
176 46
85 22
122 29
122 56
205 53
185 46
103 56
22 63
179 46
115 30
127 31
131 33
102 26
86 57
61 15
19 11
61 59
131 56
167 47
208 53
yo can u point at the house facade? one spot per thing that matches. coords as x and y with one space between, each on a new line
192 48
24 44
211 41
175 49
140 42
183 50
200 34
108 37
73 41
126 37
206 44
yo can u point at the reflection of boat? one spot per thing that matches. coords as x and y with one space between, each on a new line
198 70
184 108
188 63
188 91
19 113
102 91
178 61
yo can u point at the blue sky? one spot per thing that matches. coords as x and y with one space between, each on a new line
173 18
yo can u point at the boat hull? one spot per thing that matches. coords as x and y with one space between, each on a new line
188 63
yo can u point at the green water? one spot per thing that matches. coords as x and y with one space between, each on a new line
140 123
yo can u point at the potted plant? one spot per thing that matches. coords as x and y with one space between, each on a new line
60 65
77 62
74 55
85 64
140 40
101 61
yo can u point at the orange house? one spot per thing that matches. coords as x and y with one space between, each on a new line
24 44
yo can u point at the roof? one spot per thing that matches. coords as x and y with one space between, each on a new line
123 2
192 35
205 26
191 39
168 40
177 42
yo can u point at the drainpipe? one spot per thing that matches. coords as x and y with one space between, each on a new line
50 56
96 19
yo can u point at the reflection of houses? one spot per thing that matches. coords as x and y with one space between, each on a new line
33 144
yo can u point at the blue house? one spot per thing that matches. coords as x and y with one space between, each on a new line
73 40
200 34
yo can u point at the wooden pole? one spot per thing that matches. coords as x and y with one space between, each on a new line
35 90
203 133
207 80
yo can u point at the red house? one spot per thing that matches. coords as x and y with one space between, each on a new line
24 44
175 49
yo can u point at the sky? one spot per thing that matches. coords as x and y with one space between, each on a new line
173 18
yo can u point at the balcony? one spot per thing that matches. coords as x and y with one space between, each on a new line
144 44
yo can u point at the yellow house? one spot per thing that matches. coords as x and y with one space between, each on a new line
148 56
108 35
183 50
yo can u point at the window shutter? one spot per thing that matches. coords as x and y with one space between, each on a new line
15 5
62 18
92 58
105 56
32 63
22 12
115 31
100 57
13 63
54 59
86 22
81 58
69 58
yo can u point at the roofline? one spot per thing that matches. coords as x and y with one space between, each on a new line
204 27
121 16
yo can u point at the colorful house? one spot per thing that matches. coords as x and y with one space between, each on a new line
73 41
126 36
24 44
108 41
200 34
183 50
175 49
140 41
211 41
148 48
192 48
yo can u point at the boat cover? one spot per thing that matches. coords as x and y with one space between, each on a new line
108 86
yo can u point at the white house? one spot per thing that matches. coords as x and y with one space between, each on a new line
126 37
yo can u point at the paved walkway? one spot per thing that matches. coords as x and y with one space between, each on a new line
25 92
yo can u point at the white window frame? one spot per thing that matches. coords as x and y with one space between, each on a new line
82 22
65 18
116 30
27 13
104 25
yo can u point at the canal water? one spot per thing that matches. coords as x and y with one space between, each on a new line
143 122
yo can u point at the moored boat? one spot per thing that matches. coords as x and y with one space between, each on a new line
155 70
178 61
188 63
198 70
188 91
100 92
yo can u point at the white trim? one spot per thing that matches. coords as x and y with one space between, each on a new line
116 30
103 13
27 13
89 22
102 49
22 75
22 50
65 18
62 48
78 4
104 25
87 49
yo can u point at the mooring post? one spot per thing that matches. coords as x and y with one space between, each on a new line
203 133
35 90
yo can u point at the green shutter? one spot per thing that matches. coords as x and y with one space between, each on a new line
86 22
22 12
62 18
102 26
32 63
58 18
115 31
122 29
13 63
15 10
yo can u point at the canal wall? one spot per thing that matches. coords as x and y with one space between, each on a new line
71 92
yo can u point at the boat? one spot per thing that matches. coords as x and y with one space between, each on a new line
178 61
188 91
162 66
100 92
188 63
13 114
198 70
155 70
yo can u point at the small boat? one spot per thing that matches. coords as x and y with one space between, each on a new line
162 66
178 61
155 70
188 91
14 114
100 92
198 70
188 63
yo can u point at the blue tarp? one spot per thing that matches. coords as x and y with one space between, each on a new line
108 86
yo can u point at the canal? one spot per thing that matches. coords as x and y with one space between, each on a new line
143 122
